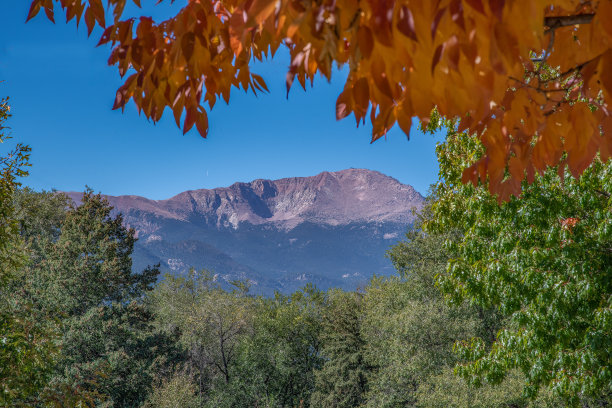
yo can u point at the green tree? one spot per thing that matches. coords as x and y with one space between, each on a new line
276 364
544 261
342 380
27 347
211 324
178 391
80 270
410 330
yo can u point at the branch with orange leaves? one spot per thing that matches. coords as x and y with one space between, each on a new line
405 58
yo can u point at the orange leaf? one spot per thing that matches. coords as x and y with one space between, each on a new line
366 41
476 5
379 76
404 120
261 10
361 96
604 14
497 7
343 105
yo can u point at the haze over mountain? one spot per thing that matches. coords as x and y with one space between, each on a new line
331 229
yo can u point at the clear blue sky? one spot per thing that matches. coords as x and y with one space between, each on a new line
62 90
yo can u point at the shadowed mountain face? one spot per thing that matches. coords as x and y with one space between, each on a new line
331 229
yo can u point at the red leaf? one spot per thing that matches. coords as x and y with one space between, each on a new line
405 25
497 7
187 45
34 9
190 119
476 5
260 81
437 56
289 81
98 11
202 123
49 13
456 10
90 20
106 35
436 21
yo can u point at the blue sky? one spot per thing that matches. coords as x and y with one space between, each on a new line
62 90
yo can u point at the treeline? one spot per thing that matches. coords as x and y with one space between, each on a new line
101 335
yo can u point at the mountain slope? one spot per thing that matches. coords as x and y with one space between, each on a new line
331 229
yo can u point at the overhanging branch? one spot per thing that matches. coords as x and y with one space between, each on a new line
562 21
552 23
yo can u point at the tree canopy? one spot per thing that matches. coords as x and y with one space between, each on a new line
402 58
544 262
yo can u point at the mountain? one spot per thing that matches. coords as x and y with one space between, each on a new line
331 229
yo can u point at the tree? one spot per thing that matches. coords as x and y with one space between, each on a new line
277 363
342 380
27 347
211 323
402 57
544 261
80 271
178 391
408 329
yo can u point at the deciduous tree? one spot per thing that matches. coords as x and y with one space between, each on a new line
544 261
478 60
27 348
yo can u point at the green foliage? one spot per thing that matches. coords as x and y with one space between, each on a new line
12 167
210 323
448 390
178 391
276 363
410 330
544 261
26 343
80 271
342 381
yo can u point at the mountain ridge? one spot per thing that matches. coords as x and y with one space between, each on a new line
325 198
331 229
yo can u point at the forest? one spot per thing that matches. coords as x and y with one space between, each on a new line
502 292
491 306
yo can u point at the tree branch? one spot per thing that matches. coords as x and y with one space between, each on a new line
563 21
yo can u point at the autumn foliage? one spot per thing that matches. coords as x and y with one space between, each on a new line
531 79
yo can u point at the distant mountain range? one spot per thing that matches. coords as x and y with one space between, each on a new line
331 229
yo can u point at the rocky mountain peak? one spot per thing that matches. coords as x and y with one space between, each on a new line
332 198
331 229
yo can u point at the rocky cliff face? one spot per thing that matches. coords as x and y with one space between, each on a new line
331 229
